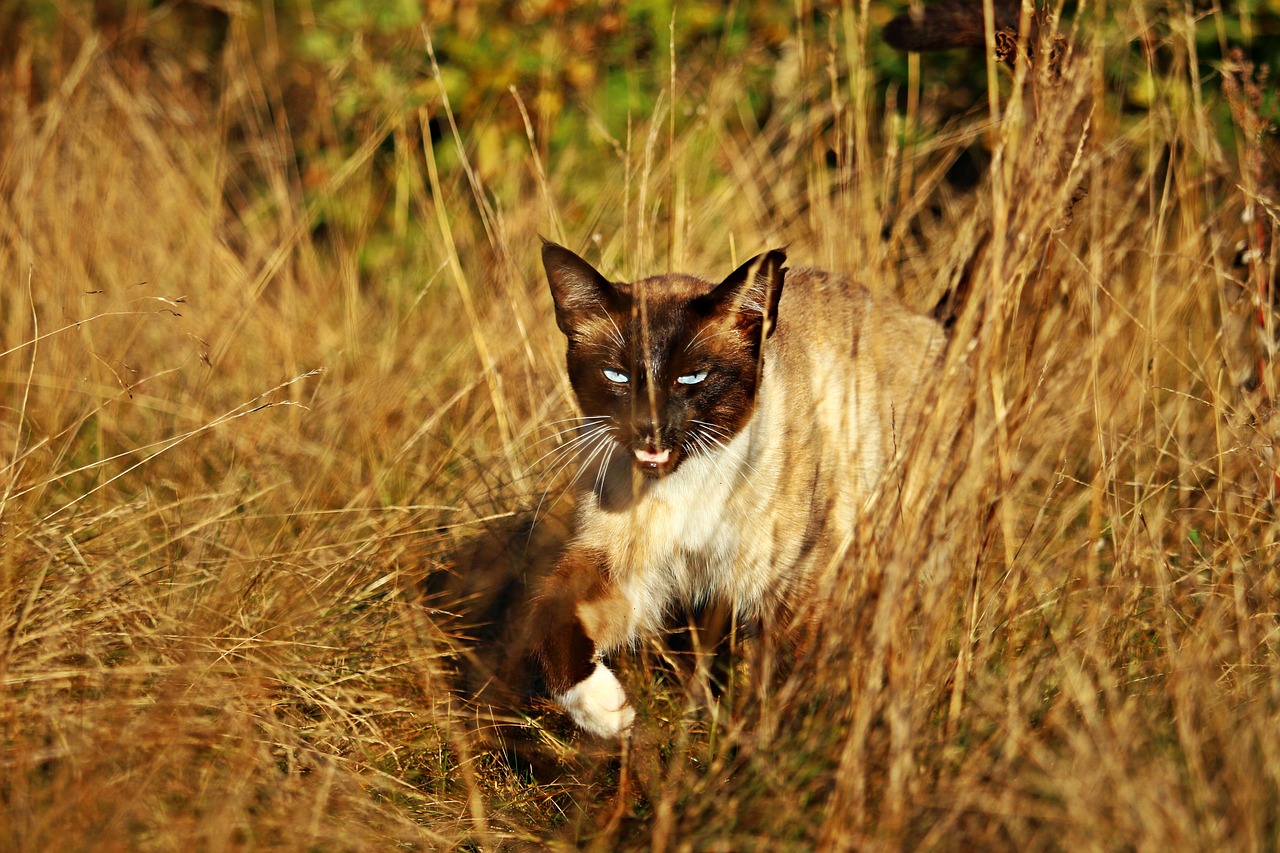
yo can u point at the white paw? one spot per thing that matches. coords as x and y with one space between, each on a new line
598 704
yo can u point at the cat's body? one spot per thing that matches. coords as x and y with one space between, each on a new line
738 472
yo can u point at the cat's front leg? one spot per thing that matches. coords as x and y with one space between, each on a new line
579 615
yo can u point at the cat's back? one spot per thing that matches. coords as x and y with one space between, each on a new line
853 370
829 317
846 375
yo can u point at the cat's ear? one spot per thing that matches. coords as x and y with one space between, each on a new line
577 288
750 294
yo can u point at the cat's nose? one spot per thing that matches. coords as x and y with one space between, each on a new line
645 431
649 435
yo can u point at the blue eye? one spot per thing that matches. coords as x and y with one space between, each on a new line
692 378
616 376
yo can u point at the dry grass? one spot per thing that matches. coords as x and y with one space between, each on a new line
241 473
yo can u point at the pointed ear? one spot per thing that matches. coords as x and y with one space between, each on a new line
751 292
576 287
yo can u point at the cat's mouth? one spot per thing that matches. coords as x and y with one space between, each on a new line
654 463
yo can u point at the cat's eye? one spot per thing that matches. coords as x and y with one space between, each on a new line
616 376
692 378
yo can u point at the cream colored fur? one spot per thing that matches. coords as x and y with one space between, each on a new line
844 378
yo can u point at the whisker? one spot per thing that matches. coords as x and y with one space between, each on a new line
578 419
715 429
600 472
710 436
572 451
559 433
617 333
604 444
567 455
590 449
540 426
717 462
697 337
721 439
577 440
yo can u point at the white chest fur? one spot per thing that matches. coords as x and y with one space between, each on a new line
684 537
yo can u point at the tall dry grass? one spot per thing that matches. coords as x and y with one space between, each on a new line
258 503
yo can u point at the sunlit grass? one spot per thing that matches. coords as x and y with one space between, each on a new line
268 455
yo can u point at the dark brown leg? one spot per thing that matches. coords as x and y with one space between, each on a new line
578 615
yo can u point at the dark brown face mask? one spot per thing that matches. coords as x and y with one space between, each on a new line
669 365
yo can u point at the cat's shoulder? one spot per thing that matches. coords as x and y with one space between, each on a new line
817 295
810 291
820 308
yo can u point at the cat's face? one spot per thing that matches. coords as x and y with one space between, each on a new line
667 366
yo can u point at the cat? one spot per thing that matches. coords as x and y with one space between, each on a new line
947 24
733 433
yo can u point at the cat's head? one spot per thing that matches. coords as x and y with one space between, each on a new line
670 363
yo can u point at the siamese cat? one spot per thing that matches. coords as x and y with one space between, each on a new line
733 433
